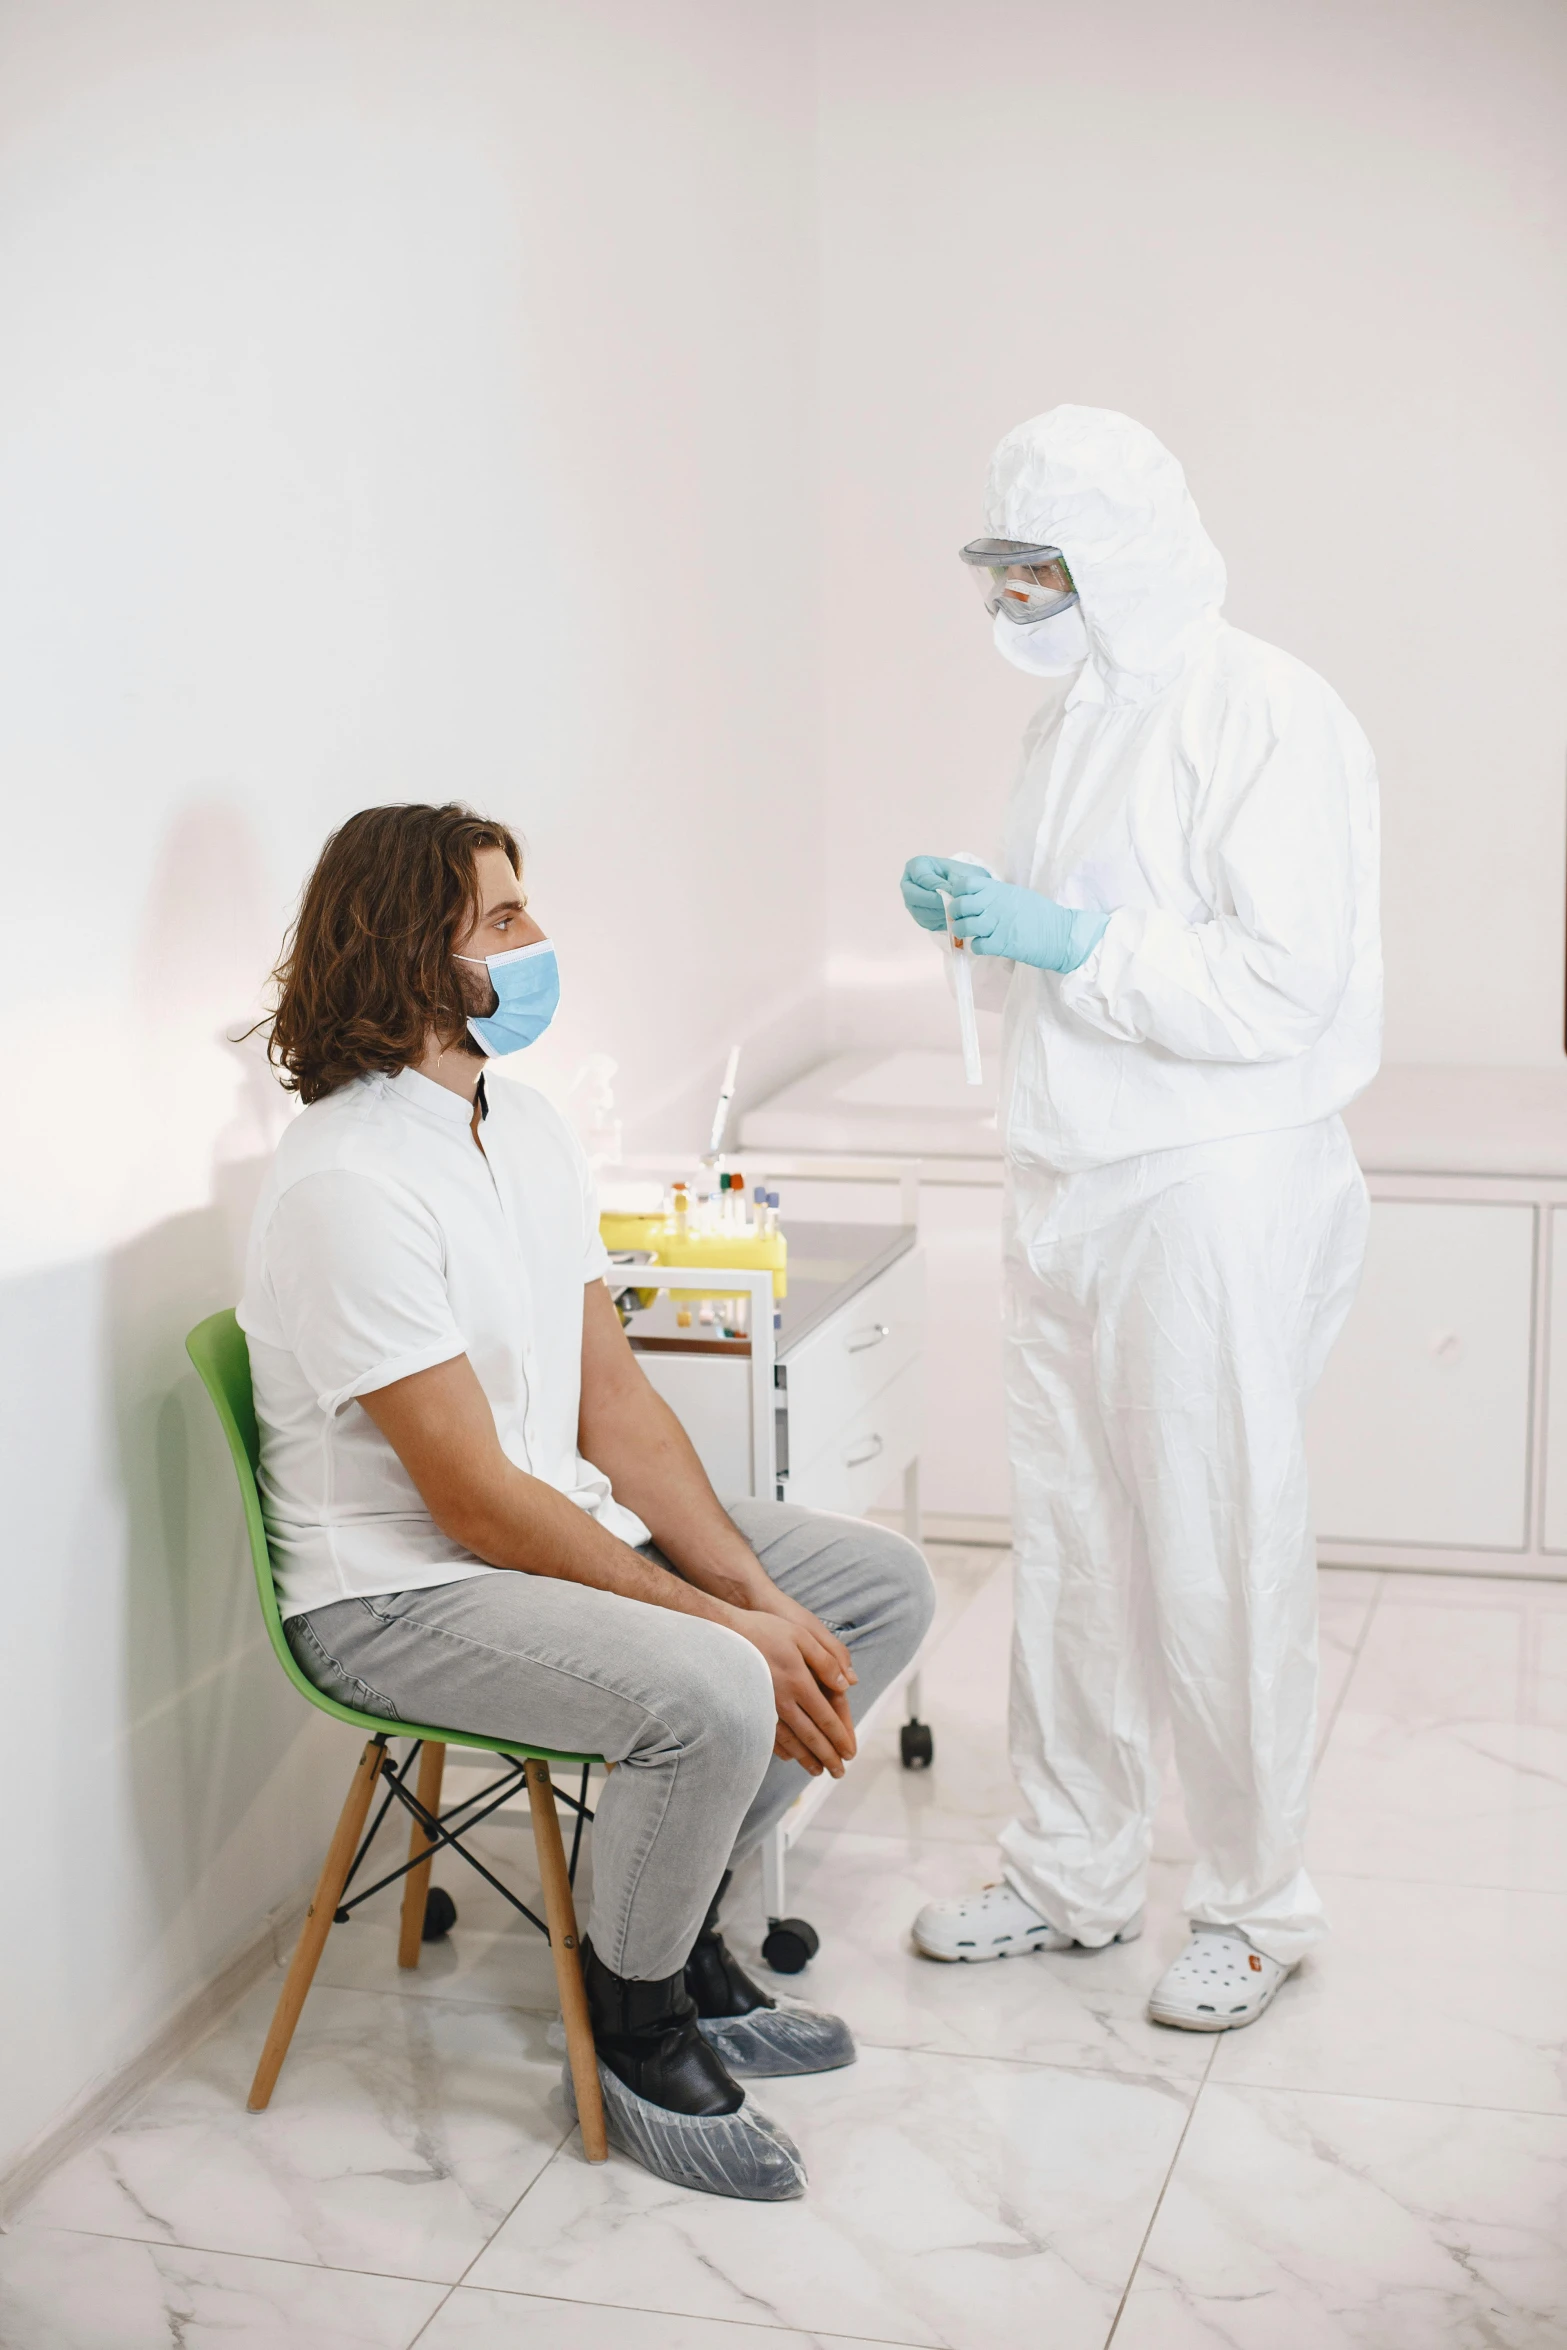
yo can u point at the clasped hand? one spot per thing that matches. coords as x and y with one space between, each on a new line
997 917
812 1676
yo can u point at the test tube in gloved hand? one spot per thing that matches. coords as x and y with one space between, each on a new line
963 984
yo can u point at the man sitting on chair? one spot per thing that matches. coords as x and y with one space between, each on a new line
483 1517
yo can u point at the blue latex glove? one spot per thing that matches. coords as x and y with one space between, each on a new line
998 918
924 878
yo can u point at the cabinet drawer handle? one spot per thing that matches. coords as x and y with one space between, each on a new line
857 1460
870 1337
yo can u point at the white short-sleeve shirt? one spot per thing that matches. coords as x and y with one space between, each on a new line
385 1241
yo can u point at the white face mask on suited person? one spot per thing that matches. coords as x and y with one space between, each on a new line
1052 647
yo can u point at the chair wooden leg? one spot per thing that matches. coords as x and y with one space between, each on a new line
562 1917
318 1922
432 1762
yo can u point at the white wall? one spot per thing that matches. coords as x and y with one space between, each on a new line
359 354
1318 249
385 386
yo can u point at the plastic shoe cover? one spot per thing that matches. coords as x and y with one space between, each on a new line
1218 1983
776 2040
743 2154
995 1923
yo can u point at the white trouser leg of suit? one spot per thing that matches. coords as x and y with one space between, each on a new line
1167 1318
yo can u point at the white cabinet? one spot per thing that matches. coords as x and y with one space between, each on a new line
1555 1416
964 1476
848 1382
834 1373
864 1454
1420 1431
711 1400
1439 1436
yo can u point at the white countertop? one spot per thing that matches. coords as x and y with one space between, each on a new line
1412 1120
880 1105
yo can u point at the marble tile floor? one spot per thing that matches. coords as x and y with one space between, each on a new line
1019 2159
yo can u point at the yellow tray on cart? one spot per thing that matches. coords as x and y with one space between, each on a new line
762 1252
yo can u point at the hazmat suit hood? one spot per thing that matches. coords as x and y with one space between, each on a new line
1100 487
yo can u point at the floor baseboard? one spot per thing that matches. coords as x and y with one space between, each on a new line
101 2105
977 1533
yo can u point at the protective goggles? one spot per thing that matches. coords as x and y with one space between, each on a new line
1022 581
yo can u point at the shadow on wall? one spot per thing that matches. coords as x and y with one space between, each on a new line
215 1725
189 1617
207 946
185 1791
178 1792
210 1718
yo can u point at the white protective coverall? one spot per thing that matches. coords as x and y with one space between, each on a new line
1185 1219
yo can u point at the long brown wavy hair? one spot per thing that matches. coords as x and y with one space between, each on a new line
366 970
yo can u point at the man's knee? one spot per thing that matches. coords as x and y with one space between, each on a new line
723 1701
745 1711
905 1590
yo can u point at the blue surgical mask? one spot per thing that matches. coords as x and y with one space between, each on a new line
527 981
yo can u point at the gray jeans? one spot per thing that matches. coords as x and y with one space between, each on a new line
682 1707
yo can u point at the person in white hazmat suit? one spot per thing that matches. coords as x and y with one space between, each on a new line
1185 932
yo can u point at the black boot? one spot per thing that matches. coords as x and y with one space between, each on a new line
715 1978
647 2034
746 2026
670 2101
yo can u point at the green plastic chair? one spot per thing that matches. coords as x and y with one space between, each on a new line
222 1359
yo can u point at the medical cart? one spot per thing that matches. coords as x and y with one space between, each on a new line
824 1410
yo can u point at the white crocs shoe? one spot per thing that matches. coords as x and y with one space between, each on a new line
1218 1983
995 1923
